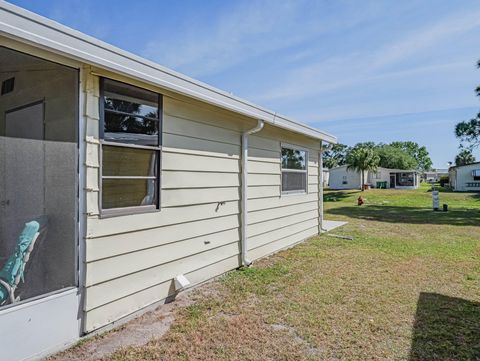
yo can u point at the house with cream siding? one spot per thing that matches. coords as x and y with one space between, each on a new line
123 183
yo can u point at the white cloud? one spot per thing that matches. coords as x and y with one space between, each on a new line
247 31
232 38
422 39
351 69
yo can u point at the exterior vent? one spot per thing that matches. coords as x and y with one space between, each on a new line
181 282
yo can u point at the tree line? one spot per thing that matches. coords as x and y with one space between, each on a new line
395 155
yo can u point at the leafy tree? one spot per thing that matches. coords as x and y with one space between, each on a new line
469 131
417 152
395 158
362 158
335 156
293 158
369 144
464 157
123 122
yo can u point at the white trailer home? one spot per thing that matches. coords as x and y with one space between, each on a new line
435 175
122 182
465 178
344 178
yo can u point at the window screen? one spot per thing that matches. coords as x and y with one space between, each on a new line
130 129
294 170
38 179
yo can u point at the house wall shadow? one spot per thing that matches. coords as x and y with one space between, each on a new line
445 328
396 214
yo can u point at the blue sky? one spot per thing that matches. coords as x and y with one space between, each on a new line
362 70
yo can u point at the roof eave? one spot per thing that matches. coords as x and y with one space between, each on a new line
23 25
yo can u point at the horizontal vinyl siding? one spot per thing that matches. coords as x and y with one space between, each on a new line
148 273
283 243
195 161
109 246
185 179
278 212
280 201
190 196
263 191
166 217
133 259
277 221
125 306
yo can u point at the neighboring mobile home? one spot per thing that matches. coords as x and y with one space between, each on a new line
435 175
123 182
465 178
344 178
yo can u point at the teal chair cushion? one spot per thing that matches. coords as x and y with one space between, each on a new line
14 264
3 294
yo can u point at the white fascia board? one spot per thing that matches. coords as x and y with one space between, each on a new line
25 26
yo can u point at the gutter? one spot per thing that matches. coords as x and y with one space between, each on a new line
244 196
27 27
320 190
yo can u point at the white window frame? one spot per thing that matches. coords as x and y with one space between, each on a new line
121 211
299 191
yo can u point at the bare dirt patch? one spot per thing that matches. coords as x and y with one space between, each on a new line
135 333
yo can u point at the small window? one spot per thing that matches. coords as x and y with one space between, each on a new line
130 132
344 180
294 170
476 174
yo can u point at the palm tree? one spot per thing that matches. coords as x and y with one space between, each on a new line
362 158
464 157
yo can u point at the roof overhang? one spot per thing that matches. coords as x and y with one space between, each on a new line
25 26
465 165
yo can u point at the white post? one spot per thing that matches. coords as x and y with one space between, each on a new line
320 189
435 200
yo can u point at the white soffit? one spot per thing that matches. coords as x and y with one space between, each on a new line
23 25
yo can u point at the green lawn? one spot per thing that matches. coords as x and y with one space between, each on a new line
407 287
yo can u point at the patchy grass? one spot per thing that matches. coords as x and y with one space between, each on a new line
406 288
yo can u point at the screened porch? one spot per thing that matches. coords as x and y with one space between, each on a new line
38 177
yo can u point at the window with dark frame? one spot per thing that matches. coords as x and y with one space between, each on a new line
294 170
130 132
476 174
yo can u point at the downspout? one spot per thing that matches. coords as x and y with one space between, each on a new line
244 194
320 190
